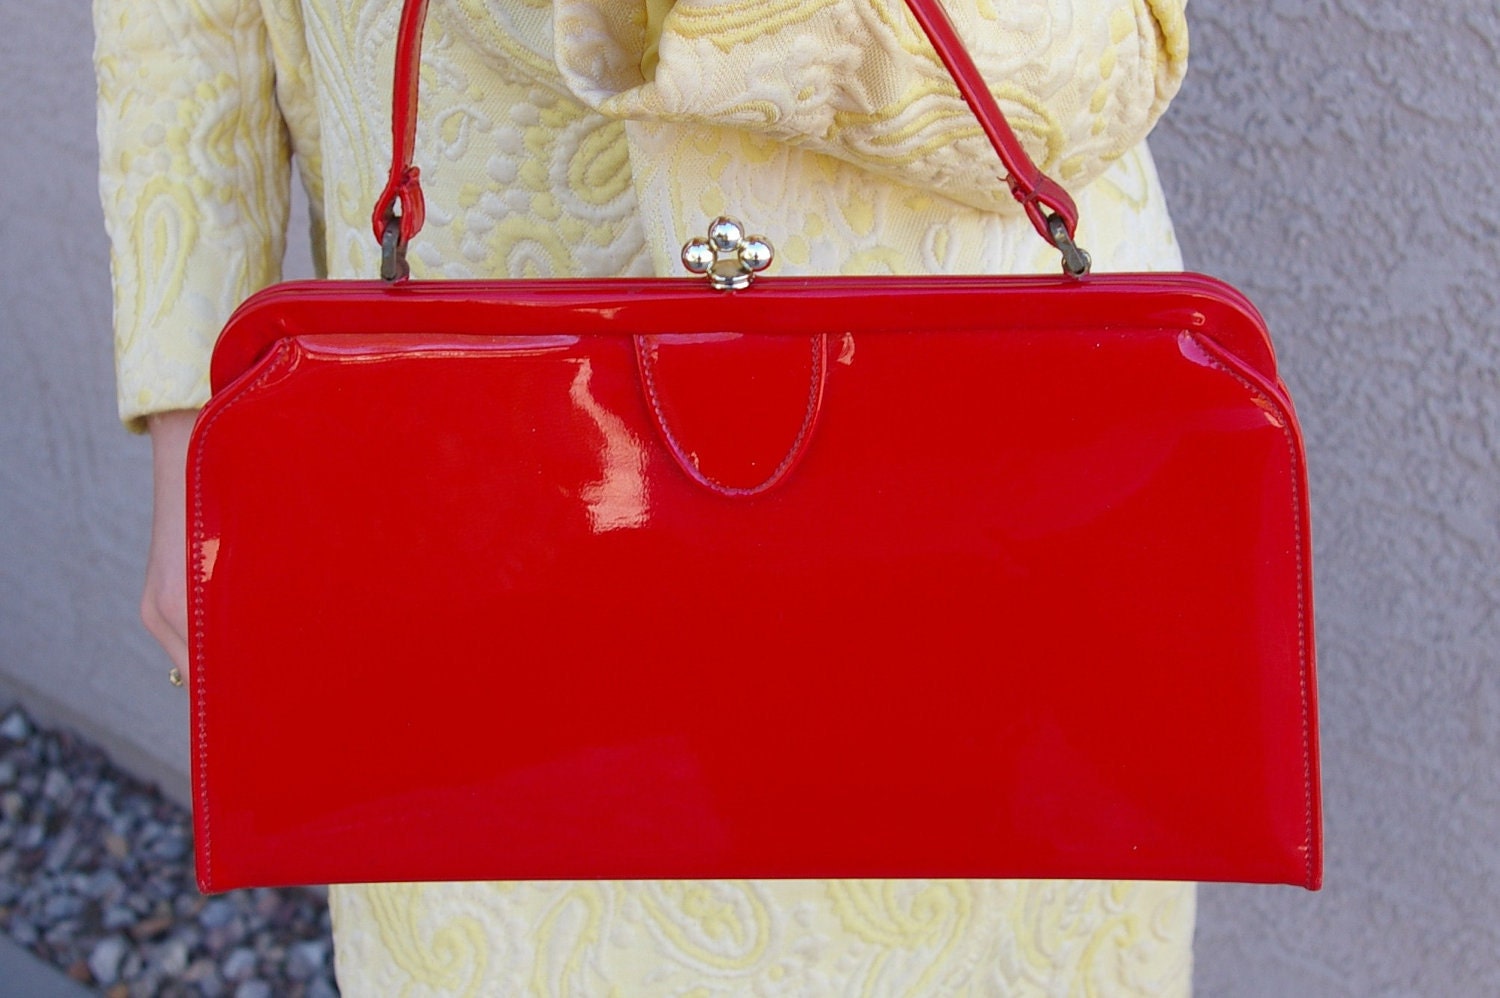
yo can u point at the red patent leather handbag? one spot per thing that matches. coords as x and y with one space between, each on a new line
679 578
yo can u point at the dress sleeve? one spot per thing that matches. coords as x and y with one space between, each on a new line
194 168
1081 81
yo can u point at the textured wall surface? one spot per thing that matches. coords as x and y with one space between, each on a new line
73 488
1337 160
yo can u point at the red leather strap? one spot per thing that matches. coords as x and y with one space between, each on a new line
1043 198
404 185
1038 193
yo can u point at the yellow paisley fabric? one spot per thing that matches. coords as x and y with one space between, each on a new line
593 137
774 938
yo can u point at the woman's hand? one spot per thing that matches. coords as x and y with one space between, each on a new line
164 601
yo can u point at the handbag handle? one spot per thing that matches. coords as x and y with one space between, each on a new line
1047 204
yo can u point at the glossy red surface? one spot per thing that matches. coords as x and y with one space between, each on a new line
1031 596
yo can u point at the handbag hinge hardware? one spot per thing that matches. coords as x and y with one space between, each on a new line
393 266
728 258
1076 259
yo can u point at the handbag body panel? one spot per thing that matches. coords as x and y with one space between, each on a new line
1032 600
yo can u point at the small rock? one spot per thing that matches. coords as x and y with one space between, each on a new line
105 885
163 885
57 786
321 988
267 902
170 847
305 960
31 837
61 907
173 957
63 935
118 991
23 932
240 964
217 913
253 989
60 851
150 928
116 845
102 804
104 961
152 982
205 975
119 917
79 971
15 726
7 773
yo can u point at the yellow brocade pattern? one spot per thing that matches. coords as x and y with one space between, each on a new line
592 137
785 937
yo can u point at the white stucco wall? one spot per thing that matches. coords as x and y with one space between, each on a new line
1337 160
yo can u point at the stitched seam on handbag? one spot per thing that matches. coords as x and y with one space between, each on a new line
809 417
199 681
1211 352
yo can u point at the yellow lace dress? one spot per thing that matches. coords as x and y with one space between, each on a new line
593 137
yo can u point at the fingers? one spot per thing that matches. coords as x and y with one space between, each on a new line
164 601
158 616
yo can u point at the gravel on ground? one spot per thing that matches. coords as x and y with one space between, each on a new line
96 877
